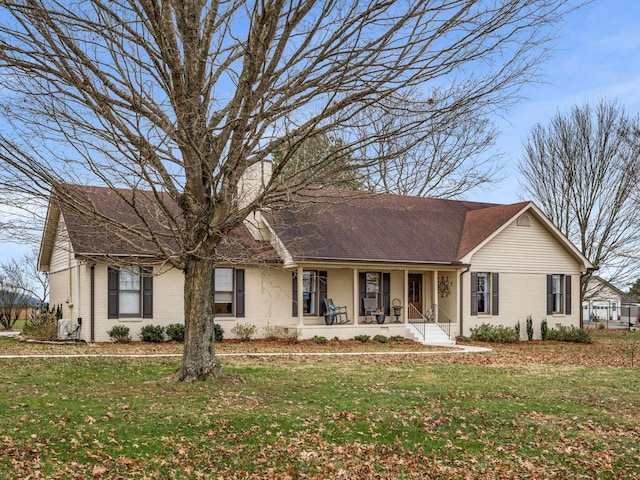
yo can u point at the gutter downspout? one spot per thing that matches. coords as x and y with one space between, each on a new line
93 305
461 306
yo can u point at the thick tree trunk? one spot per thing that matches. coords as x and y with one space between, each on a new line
199 360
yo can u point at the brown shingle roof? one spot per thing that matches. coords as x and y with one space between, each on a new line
385 228
332 225
105 222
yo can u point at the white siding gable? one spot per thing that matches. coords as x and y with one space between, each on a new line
521 248
62 254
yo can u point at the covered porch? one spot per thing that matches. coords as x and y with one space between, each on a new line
374 299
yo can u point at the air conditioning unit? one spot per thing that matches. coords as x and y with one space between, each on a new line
64 327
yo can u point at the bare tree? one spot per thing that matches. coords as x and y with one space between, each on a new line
437 148
23 274
13 303
180 98
582 170
21 287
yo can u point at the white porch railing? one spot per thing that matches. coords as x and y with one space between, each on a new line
419 320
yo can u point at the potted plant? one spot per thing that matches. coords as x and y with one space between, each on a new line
379 316
397 309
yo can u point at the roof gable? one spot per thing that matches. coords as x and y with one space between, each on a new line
480 224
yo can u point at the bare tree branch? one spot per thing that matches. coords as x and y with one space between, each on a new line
582 169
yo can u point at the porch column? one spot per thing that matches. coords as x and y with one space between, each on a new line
300 296
458 313
405 300
434 294
356 298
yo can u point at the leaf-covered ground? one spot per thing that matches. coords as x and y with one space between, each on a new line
532 410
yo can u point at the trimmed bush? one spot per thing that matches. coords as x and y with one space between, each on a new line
320 340
244 331
529 328
517 328
494 333
152 333
119 334
396 338
362 338
569 334
380 339
175 331
218 332
544 329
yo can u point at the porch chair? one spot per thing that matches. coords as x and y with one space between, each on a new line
370 309
339 312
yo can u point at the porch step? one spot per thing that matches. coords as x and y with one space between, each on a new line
434 335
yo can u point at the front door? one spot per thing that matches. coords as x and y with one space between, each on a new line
415 294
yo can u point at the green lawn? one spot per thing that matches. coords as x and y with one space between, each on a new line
320 417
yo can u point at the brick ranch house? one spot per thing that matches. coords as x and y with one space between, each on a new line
448 266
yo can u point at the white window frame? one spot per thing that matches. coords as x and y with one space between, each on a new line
220 292
484 295
557 293
130 287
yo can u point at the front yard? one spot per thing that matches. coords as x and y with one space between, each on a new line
529 410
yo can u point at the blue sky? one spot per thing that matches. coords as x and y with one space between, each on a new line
596 56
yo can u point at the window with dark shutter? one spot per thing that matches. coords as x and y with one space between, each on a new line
567 294
474 293
494 293
314 291
147 293
557 294
239 292
113 293
549 294
322 279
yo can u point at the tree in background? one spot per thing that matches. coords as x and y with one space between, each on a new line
23 272
440 157
582 170
634 291
178 99
13 303
305 160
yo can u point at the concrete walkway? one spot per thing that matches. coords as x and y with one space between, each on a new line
9 333
458 349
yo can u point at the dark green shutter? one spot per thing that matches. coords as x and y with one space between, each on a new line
294 294
567 295
322 294
147 293
362 286
239 292
113 293
386 293
549 294
474 293
494 293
